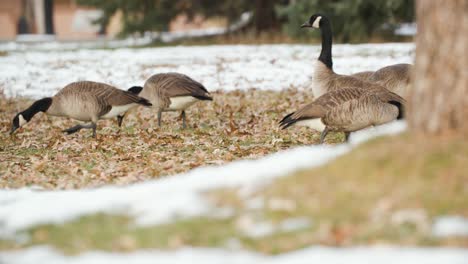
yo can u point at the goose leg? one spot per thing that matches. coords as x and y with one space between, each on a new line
347 134
159 117
73 129
323 135
120 119
93 126
184 125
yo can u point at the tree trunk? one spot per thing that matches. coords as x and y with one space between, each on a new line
49 16
265 17
438 100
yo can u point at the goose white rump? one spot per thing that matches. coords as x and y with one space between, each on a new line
316 124
118 110
181 102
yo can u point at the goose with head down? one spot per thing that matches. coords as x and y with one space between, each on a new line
84 101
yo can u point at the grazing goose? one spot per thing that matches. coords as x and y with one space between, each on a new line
348 110
325 79
85 101
172 92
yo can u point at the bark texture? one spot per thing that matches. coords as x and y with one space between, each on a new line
439 96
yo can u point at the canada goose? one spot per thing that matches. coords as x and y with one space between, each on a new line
394 77
85 101
172 92
348 110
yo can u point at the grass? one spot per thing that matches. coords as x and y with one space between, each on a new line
236 125
387 191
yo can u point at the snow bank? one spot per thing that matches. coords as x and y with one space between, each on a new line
36 74
450 226
324 255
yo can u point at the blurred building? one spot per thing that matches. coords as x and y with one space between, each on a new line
61 19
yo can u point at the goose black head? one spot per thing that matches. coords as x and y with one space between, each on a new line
18 121
315 21
24 117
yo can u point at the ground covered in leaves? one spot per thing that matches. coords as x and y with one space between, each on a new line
236 125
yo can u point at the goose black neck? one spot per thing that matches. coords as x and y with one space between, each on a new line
326 53
41 105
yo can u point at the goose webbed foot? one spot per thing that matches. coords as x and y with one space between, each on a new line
73 129
159 118
347 134
77 128
184 119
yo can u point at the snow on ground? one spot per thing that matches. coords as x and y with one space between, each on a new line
326 255
24 208
450 226
37 73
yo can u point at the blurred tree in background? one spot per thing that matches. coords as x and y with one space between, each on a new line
352 20
138 15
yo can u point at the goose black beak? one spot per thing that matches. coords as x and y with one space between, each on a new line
306 25
13 129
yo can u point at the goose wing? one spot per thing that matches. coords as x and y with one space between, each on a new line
372 108
323 104
176 84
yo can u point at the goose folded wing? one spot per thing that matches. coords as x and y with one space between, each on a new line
182 85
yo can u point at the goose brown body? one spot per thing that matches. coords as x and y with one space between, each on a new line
161 90
173 92
91 101
84 101
350 109
365 75
395 78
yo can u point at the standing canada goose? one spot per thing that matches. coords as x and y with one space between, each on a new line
172 92
325 79
85 101
348 110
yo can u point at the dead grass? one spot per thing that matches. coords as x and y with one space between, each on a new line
387 191
237 125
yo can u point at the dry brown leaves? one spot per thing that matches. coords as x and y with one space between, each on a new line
236 125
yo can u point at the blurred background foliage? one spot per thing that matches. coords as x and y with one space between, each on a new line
353 21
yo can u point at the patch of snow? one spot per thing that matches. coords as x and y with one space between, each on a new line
369 133
253 229
450 226
323 255
229 67
294 224
255 203
281 204
407 29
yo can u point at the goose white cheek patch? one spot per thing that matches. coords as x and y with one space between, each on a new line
316 23
22 121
